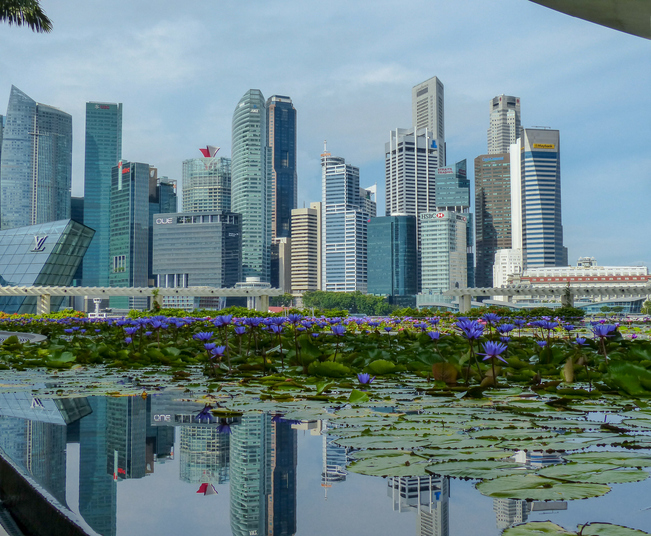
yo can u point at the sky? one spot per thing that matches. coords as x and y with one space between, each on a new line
180 69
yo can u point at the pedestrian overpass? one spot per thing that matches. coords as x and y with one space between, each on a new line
257 297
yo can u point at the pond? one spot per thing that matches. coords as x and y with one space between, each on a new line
133 465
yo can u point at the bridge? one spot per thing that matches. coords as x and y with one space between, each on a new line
565 292
257 296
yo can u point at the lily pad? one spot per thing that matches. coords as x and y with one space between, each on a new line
475 469
403 464
538 488
621 459
606 529
535 528
595 473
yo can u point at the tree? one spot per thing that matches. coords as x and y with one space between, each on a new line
646 307
25 13
281 301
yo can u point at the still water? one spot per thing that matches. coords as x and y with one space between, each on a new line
137 466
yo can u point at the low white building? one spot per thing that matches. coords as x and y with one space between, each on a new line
508 262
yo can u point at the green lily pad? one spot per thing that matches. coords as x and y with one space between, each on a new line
606 529
538 488
621 459
595 473
535 528
402 464
475 469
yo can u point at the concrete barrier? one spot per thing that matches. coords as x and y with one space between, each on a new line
33 507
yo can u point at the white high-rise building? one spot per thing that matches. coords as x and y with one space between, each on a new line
306 248
505 127
427 111
444 263
536 198
344 227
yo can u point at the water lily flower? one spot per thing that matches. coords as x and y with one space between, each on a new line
240 330
203 336
294 318
493 349
634 336
365 378
604 330
580 341
388 329
131 331
210 346
505 339
128 340
491 318
68 331
276 328
338 330
569 327
542 344
434 335
505 328
148 333
205 416
218 351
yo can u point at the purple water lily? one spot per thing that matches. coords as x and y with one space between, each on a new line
580 341
203 336
365 378
434 335
338 330
493 350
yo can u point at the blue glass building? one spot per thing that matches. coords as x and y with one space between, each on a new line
35 163
281 136
47 254
251 183
393 258
136 195
103 151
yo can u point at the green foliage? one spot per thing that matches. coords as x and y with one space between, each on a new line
353 302
285 300
25 13
329 369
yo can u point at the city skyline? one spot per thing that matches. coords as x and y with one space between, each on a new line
562 87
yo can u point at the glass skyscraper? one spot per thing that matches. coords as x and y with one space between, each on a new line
393 258
251 183
103 151
136 195
281 136
207 183
35 163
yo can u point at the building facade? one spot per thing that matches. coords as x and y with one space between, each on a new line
428 111
492 212
393 258
196 249
281 136
505 124
251 183
35 163
281 264
537 182
344 227
444 264
207 183
47 254
103 150
306 249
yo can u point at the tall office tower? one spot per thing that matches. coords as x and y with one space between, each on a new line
429 496
344 227
162 200
453 194
281 513
281 263
335 459
103 151
537 227
134 189
492 212
505 126
444 262
393 259
2 126
428 112
281 136
207 182
306 249
368 200
508 512
36 163
251 183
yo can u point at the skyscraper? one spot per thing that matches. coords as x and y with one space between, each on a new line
536 195
492 212
35 164
344 226
306 248
103 151
505 126
207 182
427 111
281 136
251 183
393 259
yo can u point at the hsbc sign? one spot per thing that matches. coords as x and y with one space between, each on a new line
433 215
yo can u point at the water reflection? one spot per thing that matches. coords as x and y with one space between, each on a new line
428 496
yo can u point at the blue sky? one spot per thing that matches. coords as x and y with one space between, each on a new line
180 69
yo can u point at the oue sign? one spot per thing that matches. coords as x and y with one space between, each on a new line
163 221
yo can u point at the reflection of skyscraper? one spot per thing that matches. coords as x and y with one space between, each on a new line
126 419
204 454
429 496
263 477
39 448
508 512
335 460
97 490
